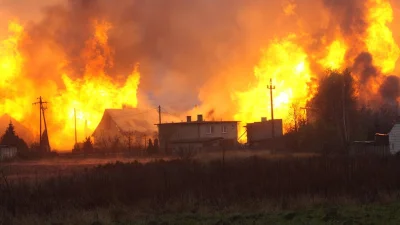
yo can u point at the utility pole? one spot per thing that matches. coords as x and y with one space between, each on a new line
76 139
272 87
159 114
295 117
40 102
344 114
46 136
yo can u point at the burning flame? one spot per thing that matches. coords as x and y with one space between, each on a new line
379 40
335 55
287 64
89 95
288 60
11 62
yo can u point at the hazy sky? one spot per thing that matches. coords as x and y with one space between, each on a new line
24 10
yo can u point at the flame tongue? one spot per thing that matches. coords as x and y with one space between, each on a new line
287 64
293 63
89 95
379 40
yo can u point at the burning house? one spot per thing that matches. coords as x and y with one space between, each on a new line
198 135
261 133
122 128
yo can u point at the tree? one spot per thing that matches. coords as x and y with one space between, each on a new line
10 138
88 145
150 147
336 105
156 146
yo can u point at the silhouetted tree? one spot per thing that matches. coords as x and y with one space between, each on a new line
336 108
10 138
88 145
156 146
150 147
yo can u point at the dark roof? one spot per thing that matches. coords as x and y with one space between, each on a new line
198 122
196 140
364 142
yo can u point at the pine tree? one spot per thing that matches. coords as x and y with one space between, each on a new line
88 145
11 139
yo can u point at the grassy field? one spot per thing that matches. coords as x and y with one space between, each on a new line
372 214
243 189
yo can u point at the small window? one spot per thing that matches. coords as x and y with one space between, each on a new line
210 129
224 130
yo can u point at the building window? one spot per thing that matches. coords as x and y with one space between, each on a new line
210 129
224 130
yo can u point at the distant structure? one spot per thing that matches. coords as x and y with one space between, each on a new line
394 138
127 126
259 134
197 135
378 146
7 152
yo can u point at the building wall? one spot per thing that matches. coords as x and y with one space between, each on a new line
228 132
183 131
394 139
263 130
7 153
106 131
381 150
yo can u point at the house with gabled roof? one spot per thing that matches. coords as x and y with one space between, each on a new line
122 127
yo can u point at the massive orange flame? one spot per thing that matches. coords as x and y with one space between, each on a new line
287 60
287 63
89 95
379 40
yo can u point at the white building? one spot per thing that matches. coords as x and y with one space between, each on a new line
394 139
7 152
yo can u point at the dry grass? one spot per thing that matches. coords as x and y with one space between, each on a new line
240 184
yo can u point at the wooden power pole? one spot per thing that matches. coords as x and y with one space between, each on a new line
272 87
41 112
76 138
159 114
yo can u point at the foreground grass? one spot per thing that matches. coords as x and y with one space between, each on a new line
242 191
361 214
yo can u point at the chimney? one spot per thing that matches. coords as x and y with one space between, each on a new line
263 119
200 118
188 119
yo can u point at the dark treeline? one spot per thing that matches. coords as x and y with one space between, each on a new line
190 185
342 111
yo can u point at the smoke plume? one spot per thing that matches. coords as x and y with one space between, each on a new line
204 52
390 88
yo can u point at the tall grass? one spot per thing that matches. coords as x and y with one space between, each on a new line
189 185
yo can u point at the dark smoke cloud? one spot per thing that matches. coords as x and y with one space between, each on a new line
350 15
350 18
364 68
186 47
179 44
390 88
